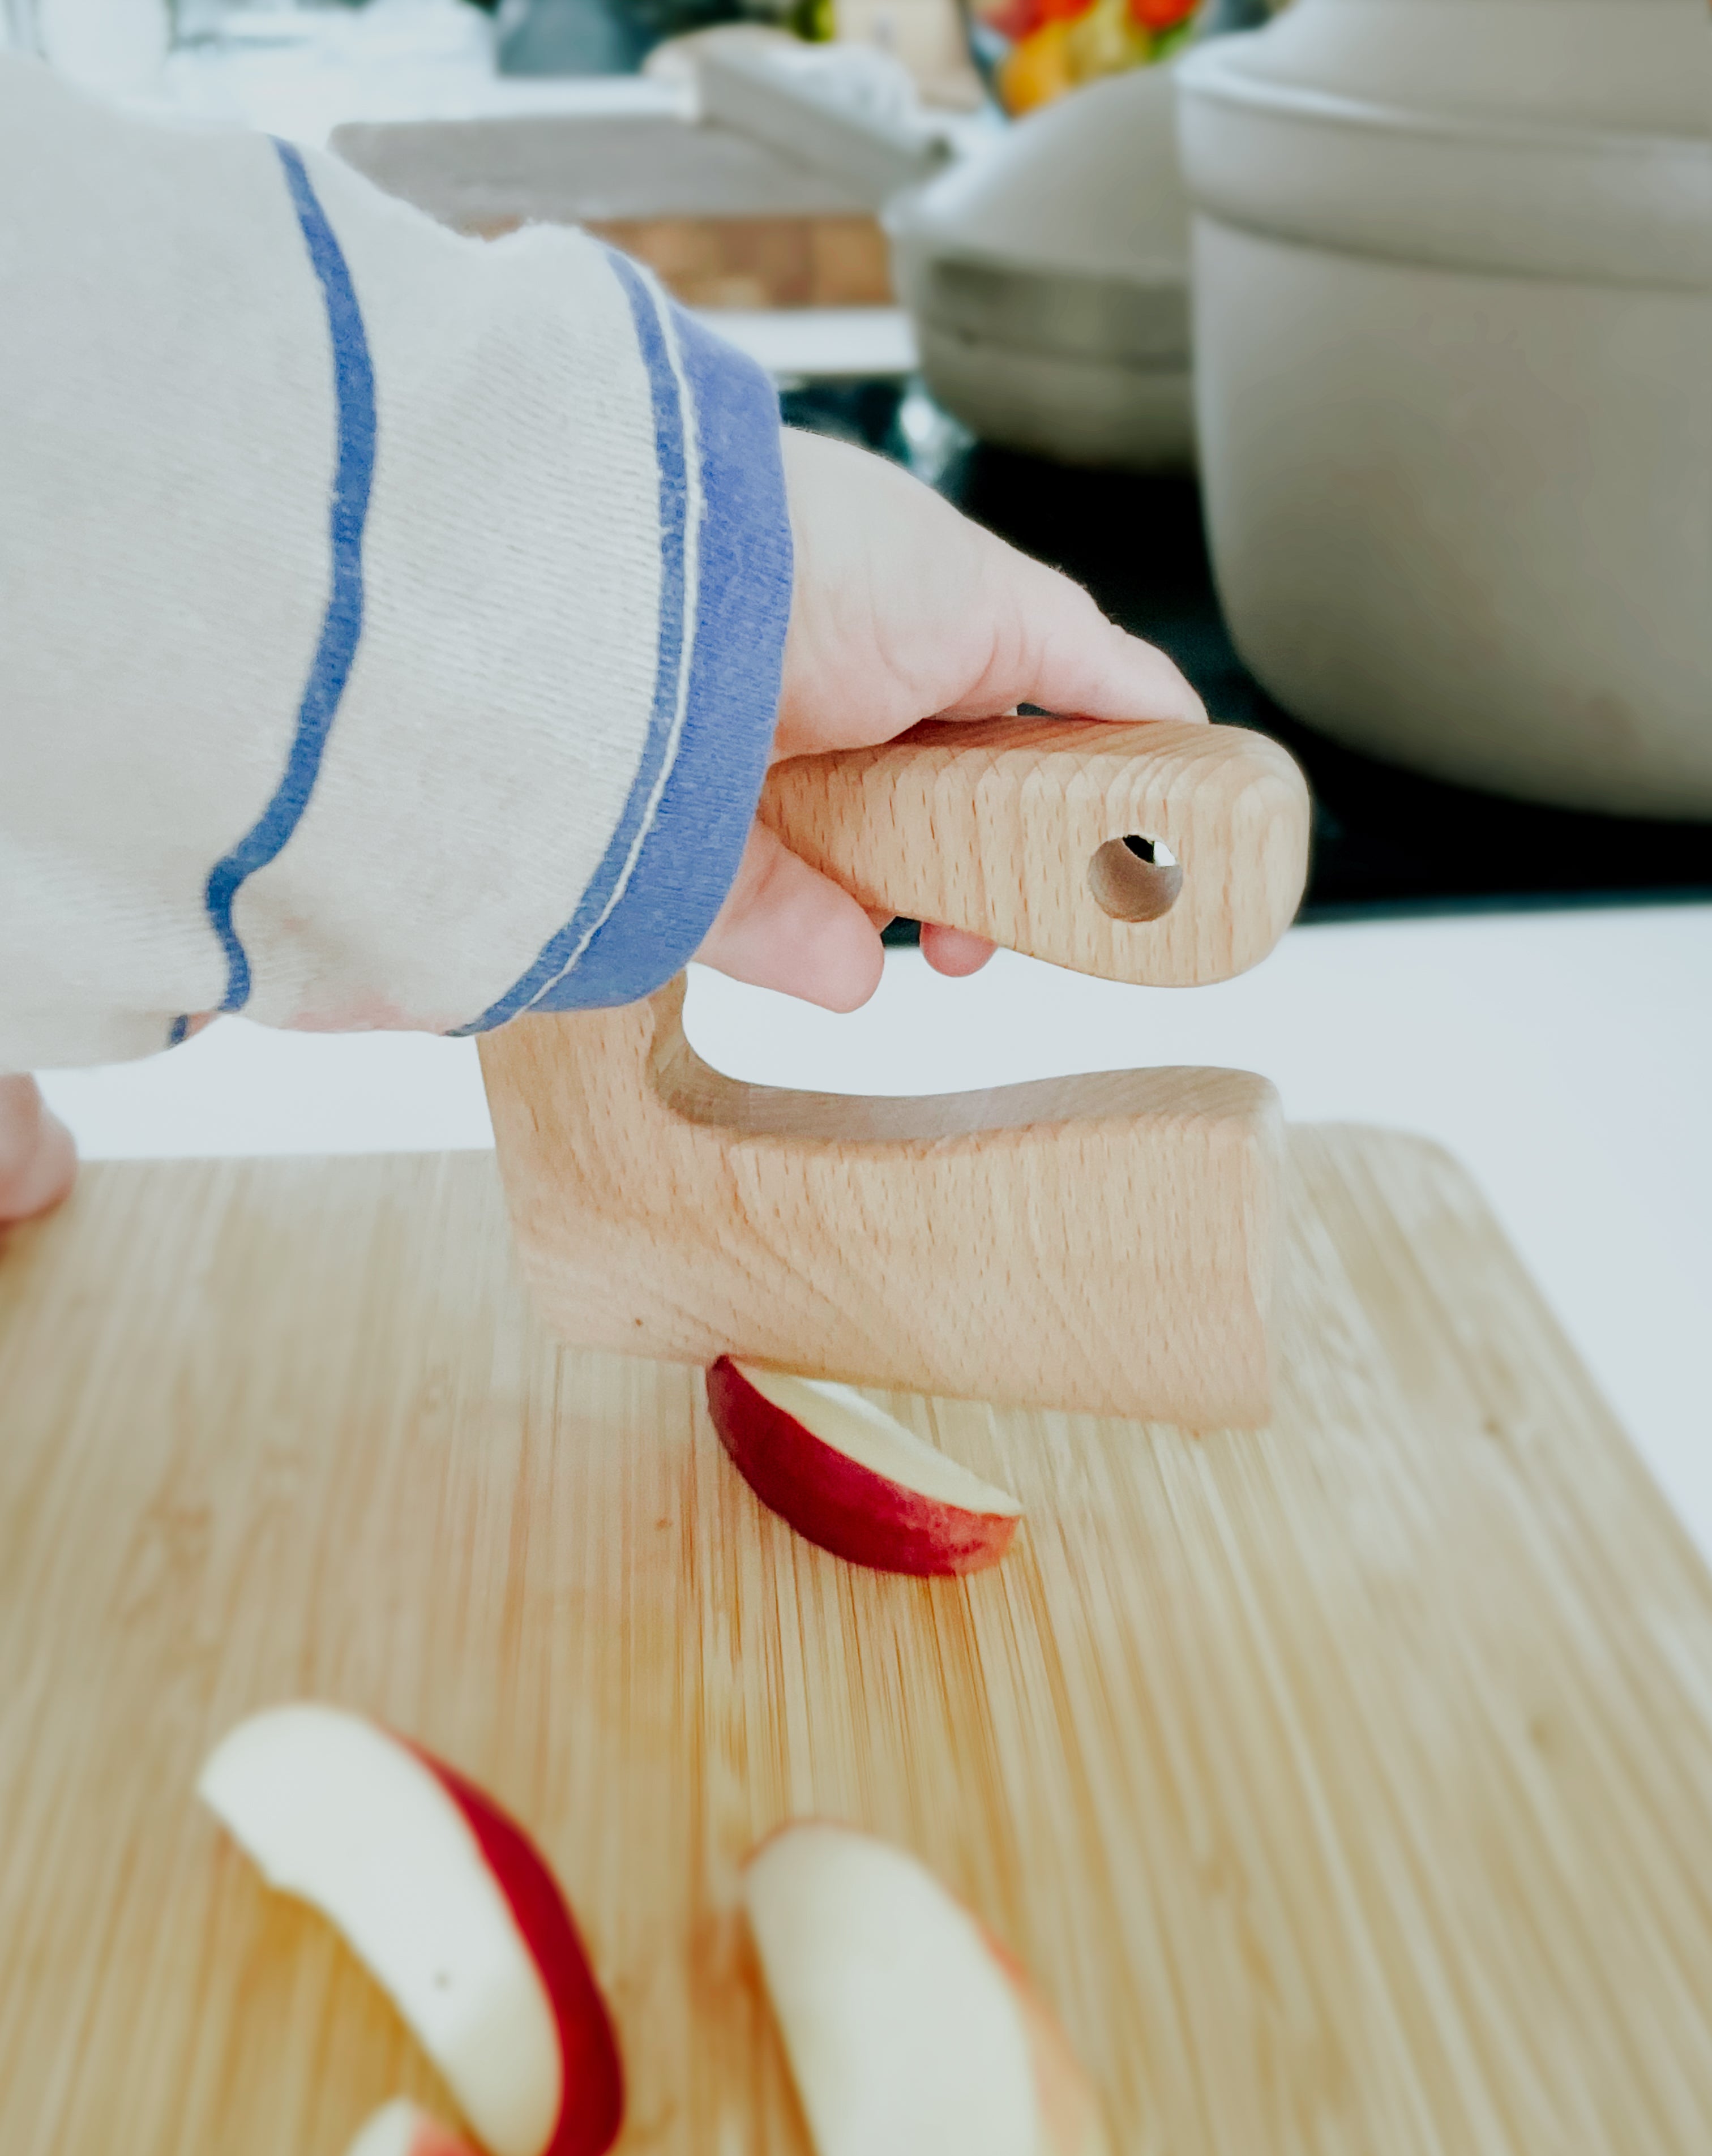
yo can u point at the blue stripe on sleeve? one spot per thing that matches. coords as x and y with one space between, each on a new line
725 603
606 885
342 625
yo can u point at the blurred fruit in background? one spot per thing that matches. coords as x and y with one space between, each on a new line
1032 51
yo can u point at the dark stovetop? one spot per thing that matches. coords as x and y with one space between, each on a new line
1384 839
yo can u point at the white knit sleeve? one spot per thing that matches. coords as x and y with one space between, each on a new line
390 623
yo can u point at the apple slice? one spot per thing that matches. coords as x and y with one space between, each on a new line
399 2128
451 1907
910 2030
852 1478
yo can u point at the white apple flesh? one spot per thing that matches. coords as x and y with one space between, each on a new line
450 1906
910 2030
852 1478
399 2128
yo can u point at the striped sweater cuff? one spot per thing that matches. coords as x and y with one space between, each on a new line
724 607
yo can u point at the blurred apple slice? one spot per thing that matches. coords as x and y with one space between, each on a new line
399 2128
852 1478
910 2030
450 1906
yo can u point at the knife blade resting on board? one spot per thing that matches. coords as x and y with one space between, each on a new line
1103 1243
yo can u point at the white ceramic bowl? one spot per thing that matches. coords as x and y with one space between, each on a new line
1452 265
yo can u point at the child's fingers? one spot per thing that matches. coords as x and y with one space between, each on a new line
38 1159
904 609
1053 647
954 952
784 926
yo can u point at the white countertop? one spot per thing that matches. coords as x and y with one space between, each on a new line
1565 1057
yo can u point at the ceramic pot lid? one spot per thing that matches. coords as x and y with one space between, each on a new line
1088 186
1626 66
1549 138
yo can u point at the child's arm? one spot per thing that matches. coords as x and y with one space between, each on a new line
390 624
394 629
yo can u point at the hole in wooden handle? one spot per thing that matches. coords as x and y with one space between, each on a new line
1134 878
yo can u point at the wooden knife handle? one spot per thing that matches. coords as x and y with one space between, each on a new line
1015 829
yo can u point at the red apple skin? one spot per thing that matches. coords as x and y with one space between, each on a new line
425 2136
836 1503
1070 2113
591 2108
431 2139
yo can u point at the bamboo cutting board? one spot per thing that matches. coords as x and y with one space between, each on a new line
1347 1785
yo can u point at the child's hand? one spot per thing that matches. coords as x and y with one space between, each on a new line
37 1158
904 610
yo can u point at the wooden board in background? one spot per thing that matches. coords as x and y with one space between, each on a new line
725 220
1348 1786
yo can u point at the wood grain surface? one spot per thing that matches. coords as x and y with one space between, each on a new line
748 261
664 1209
995 827
724 220
1111 1237
1347 1786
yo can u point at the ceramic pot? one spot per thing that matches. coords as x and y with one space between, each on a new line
1048 280
1453 320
